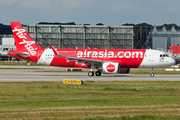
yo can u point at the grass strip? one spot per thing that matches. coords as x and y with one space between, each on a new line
131 72
111 100
20 68
20 63
89 102
154 71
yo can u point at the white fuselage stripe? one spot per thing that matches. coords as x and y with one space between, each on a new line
46 57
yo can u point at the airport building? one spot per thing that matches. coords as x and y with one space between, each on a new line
163 38
6 43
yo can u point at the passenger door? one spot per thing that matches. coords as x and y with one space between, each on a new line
151 56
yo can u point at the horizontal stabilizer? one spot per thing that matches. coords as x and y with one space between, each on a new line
23 54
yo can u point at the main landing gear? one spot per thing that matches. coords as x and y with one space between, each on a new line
97 73
151 72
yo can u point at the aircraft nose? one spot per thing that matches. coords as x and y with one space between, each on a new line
172 61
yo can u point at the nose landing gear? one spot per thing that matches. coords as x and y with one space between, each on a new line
151 72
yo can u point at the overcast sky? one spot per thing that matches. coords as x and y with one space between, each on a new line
108 12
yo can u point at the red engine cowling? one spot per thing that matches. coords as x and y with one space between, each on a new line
114 68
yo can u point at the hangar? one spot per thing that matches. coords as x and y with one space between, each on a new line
82 36
97 36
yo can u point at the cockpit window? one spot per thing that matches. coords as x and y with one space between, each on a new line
164 55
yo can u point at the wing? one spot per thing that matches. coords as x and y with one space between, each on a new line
79 60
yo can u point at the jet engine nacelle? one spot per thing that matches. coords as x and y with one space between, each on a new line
114 68
110 68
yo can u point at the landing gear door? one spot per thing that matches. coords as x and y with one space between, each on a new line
151 56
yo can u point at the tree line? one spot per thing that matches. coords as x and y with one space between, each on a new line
5 29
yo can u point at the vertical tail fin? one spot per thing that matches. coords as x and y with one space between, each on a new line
23 40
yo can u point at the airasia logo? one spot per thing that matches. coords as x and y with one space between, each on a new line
109 54
110 68
28 44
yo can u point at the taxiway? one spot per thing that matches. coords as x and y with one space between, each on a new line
38 73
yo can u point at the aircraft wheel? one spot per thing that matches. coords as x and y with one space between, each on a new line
152 74
90 73
98 73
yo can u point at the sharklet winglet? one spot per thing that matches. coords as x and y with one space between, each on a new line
56 53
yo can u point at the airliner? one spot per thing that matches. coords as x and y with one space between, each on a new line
104 61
